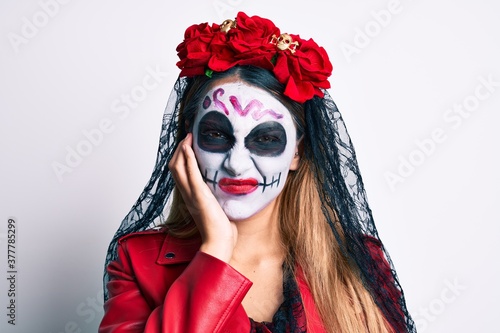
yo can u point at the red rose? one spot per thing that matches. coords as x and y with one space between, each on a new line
194 52
253 34
305 71
247 44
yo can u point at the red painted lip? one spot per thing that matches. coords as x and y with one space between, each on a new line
238 186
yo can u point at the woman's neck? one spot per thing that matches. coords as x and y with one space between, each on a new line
259 238
259 256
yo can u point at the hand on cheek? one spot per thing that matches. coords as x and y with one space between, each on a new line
218 233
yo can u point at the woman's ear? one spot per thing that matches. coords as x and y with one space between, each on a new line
187 126
299 150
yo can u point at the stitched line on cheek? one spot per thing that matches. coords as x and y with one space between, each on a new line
273 181
211 181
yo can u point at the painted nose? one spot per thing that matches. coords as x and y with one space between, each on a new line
238 161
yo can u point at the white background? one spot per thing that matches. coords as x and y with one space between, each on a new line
66 74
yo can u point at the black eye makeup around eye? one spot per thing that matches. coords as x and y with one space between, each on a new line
267 139
215 133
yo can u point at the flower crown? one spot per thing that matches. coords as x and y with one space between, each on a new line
301 65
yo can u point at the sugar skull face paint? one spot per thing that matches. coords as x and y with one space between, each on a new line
244 141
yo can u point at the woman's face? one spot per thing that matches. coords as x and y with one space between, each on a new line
245 143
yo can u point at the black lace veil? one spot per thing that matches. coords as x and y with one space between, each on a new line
332 152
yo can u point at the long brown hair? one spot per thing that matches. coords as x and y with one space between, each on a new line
343 302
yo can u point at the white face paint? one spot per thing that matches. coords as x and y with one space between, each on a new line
244 141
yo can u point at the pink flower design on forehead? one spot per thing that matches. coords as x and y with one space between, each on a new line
254 107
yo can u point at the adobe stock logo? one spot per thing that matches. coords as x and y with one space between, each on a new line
453 118
226 8
426 315
363 36
121 108
39 20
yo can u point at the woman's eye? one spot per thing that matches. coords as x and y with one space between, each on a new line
215 141
215 134
267 139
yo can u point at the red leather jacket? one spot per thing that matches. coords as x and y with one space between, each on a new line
161 284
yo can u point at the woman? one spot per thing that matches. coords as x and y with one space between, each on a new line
268 228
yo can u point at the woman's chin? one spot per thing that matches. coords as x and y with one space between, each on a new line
238 211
